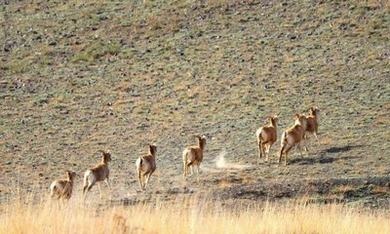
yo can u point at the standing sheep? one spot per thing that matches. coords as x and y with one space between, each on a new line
97 174
62 189
146 165
266 137
293 137
193 156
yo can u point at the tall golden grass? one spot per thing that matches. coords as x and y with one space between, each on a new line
188 216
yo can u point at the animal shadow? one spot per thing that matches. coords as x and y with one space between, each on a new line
341 149
323 157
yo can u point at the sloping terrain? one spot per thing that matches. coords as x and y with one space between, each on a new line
79 76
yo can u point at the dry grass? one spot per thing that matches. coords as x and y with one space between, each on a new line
189 216
343 189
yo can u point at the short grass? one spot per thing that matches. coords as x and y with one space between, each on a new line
79 76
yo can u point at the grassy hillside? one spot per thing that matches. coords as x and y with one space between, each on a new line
78 76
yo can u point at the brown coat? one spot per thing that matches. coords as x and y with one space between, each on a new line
267 136
193 155
293 136
98 173
62 189
312 120
146 165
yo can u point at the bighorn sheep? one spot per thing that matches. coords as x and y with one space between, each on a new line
146 165
312 122
266 137
62 189
193 155
97 174
293 137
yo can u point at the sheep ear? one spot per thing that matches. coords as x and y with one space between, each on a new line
297 115
68 173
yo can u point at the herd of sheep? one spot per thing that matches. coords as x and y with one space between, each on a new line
193 155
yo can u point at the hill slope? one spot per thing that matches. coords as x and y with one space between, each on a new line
79 76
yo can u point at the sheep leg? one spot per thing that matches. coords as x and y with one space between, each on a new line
260 151
87 190
185 164
85 195
190 167
300 149
107 181
286 148
316 132
184 169
187 169
283 150
281 153
197 172
264 149
100 190
140 179
303 143
286 156
143 182
306 138
267 151
285 159
316 136
147 178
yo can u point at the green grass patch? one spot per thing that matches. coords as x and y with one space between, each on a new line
96 50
